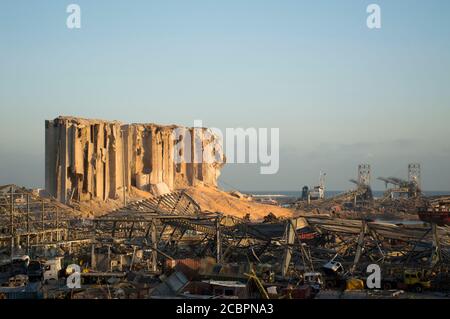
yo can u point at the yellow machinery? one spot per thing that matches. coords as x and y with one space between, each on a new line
418 280
354 284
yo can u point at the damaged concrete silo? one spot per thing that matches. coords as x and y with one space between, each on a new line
93 159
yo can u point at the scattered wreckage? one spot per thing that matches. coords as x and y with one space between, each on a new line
167 247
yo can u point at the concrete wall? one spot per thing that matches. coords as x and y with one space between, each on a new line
91 159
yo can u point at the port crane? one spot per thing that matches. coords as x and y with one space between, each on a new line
401 187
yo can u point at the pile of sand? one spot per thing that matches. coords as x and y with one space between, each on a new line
215 200
98 207
209 198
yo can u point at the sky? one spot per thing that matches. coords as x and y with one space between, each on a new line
340 93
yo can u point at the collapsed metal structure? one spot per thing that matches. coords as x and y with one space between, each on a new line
28 221
173 220
358 242
145 223
173 226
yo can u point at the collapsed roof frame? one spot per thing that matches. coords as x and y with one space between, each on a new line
29 220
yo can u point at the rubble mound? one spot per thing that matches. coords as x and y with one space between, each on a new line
214 199
99 207
209 198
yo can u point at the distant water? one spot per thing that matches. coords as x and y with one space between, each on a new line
328 194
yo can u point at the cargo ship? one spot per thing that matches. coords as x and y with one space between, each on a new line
436 210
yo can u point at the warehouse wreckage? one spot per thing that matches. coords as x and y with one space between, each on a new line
166 246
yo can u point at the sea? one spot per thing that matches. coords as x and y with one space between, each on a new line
328 194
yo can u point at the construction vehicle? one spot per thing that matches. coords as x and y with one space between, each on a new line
417 280
410 279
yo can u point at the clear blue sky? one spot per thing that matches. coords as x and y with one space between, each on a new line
340 93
